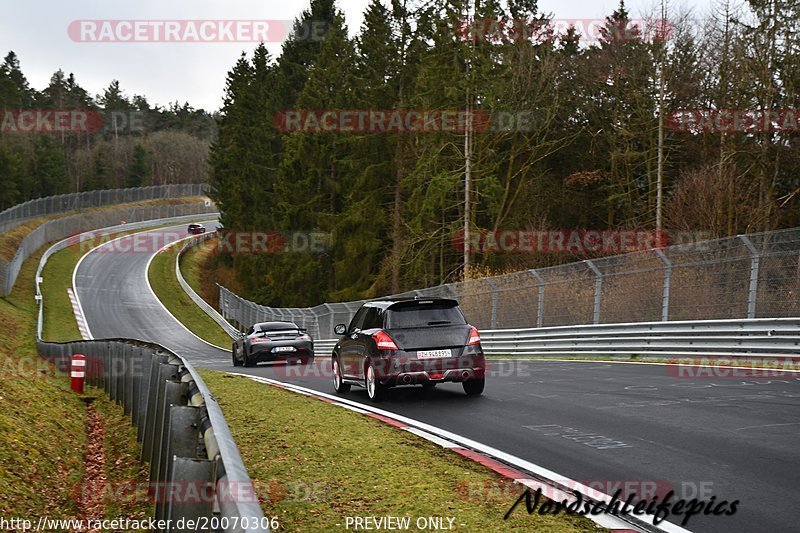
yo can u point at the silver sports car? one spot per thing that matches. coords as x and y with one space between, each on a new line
273 341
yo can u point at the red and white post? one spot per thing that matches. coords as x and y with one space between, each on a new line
78 372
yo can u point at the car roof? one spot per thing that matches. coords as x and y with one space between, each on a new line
269 326
386 303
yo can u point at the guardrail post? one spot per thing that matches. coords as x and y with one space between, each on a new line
755 259
540 303
160 372
181 441
174 393
198 472
495 297
598 287
667 278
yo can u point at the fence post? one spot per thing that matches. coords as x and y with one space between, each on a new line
598 286
540 303
329 327
495 296
755 259
667 278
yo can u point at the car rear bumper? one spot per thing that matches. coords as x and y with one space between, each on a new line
266 353
408 370
423 377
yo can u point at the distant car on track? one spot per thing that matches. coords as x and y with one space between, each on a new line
407 342
196 229
273 341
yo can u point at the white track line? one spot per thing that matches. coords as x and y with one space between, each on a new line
147 281
83 328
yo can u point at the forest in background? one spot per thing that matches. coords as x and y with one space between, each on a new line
393 203
137 144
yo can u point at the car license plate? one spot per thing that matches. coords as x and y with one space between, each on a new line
283 349
427 354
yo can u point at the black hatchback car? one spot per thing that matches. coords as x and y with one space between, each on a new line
273 341
408 342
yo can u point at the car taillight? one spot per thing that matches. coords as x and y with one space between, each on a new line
260 339
384 341
474 338
304 338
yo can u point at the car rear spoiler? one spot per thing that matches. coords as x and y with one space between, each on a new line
437 302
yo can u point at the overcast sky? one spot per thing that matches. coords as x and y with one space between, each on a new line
164 72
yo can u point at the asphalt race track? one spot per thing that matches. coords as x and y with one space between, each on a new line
606 425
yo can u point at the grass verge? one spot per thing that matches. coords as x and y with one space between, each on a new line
314 464
195 267
123 464
169 291
42 422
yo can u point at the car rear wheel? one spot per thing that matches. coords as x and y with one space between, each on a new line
338 384
236 362
375 390
247 361
474 387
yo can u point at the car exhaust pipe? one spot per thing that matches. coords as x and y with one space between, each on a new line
406 379
465 375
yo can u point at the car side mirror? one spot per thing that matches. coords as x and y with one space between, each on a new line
340 329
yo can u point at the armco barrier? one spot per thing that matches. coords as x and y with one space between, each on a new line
202 304
104 231
760 337
61 228
65 203
321 347
744 277
196 472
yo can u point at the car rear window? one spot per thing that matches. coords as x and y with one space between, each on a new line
423 314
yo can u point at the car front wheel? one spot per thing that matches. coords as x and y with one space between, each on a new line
375 390
338 384
474 387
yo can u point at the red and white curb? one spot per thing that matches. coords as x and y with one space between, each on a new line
553 485
83 327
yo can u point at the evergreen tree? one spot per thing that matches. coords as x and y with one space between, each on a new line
139 169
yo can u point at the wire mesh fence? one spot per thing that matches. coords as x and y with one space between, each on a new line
61 228
748 276
65 203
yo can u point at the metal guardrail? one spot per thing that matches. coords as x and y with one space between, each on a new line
196 471
760 337
60 228
60 245
65 203
743 277
202 304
